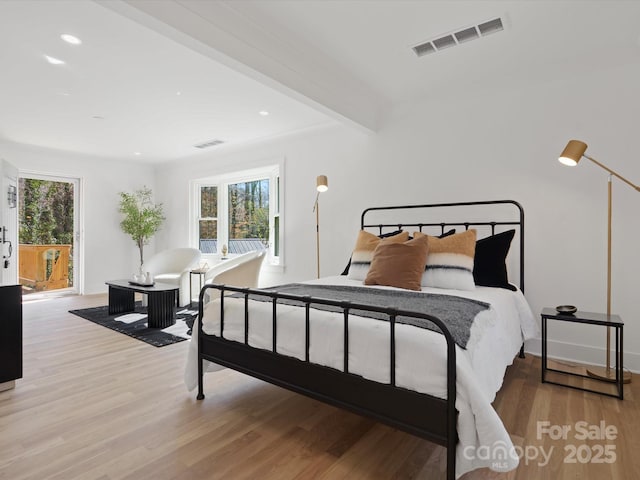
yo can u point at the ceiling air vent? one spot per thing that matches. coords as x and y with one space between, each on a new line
491 26
210 143
444 42
460 36
424 49
467 34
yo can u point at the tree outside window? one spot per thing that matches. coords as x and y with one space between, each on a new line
208 221
248 213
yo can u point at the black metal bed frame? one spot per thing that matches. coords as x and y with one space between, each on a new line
420 414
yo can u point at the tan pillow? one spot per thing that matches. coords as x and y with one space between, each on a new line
399 264
450 261
363 252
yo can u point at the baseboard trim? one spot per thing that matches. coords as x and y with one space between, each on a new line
581 354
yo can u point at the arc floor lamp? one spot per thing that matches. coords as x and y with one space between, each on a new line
322 185
571 155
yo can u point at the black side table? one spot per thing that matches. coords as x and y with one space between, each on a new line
201 272
610 321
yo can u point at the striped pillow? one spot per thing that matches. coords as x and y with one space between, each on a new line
450 261
363 252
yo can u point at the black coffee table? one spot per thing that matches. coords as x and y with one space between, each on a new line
161 301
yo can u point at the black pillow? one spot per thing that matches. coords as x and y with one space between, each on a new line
489 264
391 234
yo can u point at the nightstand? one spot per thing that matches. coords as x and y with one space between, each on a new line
610 321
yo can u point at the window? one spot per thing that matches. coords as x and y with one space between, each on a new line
208 219
248 212
240 212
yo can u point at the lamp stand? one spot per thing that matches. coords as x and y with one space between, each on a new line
316 207
607 374
322 185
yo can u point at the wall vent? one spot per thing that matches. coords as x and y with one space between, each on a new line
210 143
459 36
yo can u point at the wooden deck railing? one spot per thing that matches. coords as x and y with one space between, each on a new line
44 267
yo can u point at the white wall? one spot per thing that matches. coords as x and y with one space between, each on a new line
331 150
476 146
109 253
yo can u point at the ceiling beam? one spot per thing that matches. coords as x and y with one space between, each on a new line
222 33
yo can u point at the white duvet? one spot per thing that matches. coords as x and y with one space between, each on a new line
496 337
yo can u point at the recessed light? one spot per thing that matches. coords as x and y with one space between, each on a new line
72 39
137 154
178 93
53 60
264 113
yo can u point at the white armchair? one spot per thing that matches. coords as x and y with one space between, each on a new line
240 271
173 266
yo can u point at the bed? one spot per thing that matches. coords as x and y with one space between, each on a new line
403 366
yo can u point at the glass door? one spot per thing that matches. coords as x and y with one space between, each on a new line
48 219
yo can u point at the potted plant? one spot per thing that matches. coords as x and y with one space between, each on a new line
142 218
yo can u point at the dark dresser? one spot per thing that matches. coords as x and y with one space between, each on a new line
10 335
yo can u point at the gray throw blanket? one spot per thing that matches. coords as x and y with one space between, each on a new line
457 313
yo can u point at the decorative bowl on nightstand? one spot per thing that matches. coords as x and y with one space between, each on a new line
566 309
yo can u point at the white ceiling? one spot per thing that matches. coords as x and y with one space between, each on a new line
308 63
130 76
542 40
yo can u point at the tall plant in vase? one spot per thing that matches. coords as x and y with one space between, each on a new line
142 218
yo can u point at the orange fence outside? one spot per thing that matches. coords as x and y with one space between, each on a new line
44 267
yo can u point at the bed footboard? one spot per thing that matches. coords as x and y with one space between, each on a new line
423 415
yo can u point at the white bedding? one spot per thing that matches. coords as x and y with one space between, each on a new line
496 337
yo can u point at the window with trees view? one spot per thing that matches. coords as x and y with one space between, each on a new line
208 221
241 212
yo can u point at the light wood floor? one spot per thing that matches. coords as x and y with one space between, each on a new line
96 404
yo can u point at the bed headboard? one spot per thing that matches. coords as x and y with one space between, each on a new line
488 217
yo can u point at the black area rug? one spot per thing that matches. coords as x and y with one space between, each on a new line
138 329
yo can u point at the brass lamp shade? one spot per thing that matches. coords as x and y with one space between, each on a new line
572 153
322 184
